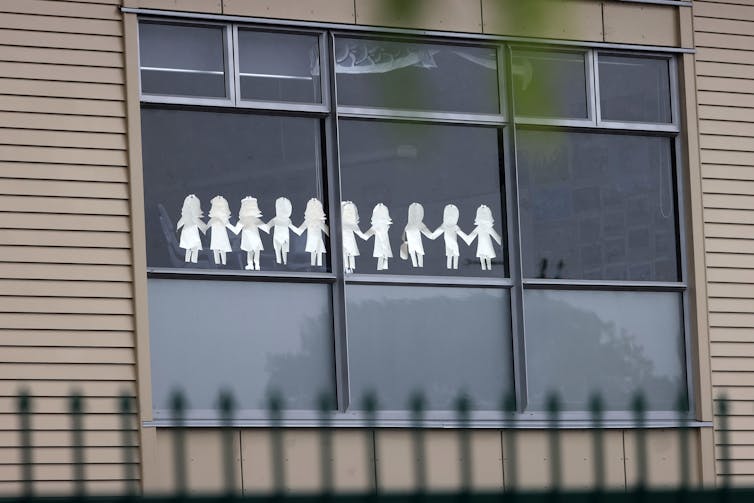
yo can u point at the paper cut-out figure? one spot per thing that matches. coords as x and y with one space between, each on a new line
381 223
349 215
412 235
314 224
281 224
484 233
191 222
450 231
249 224
219 223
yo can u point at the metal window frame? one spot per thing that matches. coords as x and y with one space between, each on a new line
364 111
324 83
673 86
228 56
588 121
330 113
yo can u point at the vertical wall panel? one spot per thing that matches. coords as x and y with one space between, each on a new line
66 254
725 82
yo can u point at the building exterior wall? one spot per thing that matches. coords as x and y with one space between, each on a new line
67 296
724 59
73 272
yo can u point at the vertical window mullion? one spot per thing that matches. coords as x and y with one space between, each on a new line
232 70
327 66
593 86
514 238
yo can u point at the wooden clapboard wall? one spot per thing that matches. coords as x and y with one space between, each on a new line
66 310
724 37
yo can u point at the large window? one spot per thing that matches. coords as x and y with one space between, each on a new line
356 214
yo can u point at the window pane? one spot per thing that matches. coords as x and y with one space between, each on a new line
441 341
182 60
614 343
634 89
234 155
414 76
550 84
597 206
249 338
435 165
279 66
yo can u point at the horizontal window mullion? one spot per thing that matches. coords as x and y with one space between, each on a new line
297 277
669 286
395 279
187 100
453 117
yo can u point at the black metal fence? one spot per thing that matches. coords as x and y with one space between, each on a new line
555 491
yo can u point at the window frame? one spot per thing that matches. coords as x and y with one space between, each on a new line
507 123
671 127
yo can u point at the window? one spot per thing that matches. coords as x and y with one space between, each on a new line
475 244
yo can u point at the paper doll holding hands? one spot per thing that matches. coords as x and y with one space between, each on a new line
350 223
281 225
249 224
191 222
219 223
381 223
484 234
412 235
450 231
314 224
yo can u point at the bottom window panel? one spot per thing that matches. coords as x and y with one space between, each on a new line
613 343
245 337
441 341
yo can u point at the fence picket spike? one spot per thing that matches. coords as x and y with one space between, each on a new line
417 405
275 404
129 466
27 466
553 410
369 405
463 408
77 409
639 408
596 409
178 406
227 411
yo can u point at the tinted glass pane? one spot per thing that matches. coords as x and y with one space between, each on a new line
441 341
597 206
182 60
416 76
634 89
435 165
550 84
279 66
208 336
233 155
614 343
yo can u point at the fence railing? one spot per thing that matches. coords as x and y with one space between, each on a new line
553 490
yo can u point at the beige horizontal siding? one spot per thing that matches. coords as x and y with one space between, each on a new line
66 293
724 36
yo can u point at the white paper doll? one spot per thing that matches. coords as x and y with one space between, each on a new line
191 222
349 215
219 223
412 235
450 231
314 224
249 224
281 224
484 234
381 223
